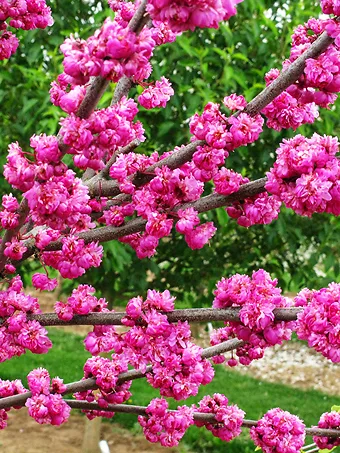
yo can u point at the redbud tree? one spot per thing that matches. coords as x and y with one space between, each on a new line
97 181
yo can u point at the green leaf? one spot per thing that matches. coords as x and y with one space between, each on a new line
335 408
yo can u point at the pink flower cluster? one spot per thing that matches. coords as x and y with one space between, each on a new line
306 175
55 196
257 296
43 282
319 322
222 132
104 339
81 302
279 431
24 14
163 426
257 210
222 135
9 388
330 7
195 236
183 15
156 95
319 83
75 257
99 136
177 366
113 51
106 373
328 420
9 217
44 406
155 202
16 332
229 418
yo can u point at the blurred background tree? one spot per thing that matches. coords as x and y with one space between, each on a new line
203 66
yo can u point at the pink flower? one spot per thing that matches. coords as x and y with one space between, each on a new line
279 431
8 44
42 282
188 219
230 417
165 427
198 237
34 337
227 181
15 249
39 381
318 322
234 102
185 15
156 95
328 420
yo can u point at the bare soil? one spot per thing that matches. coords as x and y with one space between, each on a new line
24 435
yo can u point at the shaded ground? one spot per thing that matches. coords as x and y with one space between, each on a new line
24 435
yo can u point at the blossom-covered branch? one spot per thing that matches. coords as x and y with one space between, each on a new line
198 416
89 384
186 314
254 107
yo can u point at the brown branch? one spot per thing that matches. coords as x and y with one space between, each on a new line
267 95
198 416
216 200
289 76
9 234
186 314
109 233
90 384
93 94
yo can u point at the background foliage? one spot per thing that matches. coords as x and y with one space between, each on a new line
203 67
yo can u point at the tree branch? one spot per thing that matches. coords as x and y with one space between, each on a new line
186 314
109 233
267 95
289 76
9 234
90 384
198 416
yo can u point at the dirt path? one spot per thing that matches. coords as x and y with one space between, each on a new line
296 365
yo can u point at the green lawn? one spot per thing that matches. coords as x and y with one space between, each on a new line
67 357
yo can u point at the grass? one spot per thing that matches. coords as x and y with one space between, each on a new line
67 357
